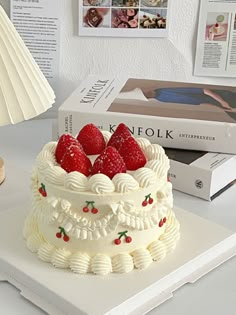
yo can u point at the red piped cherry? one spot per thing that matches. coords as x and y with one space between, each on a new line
42 190
117 241
123 235
150 201
128 239
85 209
44 194
66 238
90 207
144 203
94 210
161 223
164 220
58 235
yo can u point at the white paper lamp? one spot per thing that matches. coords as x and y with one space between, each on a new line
24 91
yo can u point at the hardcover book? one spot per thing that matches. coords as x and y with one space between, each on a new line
202 174
174 114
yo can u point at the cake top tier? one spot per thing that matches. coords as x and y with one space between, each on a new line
103 162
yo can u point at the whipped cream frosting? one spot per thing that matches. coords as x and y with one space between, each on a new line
76 181
145 177
142 258
125 183
102 264
106 134
80 263
60 258
156 167
122 263
100 184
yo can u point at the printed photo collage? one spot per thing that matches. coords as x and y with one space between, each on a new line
217 25
132 14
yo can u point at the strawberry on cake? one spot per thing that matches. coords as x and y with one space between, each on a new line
101 203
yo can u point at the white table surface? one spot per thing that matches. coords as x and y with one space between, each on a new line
214 294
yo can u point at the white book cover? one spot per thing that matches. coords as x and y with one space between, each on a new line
173 114
201 174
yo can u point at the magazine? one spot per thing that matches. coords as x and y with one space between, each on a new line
173 114
215 50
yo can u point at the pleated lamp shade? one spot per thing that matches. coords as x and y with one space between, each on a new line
24 91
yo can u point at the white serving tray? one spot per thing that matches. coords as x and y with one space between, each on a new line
202 247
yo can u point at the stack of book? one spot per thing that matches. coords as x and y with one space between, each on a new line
195 123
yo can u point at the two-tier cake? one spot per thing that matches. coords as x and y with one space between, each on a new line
101 203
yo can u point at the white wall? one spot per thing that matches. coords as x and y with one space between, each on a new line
166 59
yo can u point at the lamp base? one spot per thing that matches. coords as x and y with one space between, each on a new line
2 171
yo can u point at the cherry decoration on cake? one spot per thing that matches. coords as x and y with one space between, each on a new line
91 139
90 207
109 162
123 235
162 222
42 190
61 233
148 200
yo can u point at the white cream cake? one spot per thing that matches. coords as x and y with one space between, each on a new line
101 223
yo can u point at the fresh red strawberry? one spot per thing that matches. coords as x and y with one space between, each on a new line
119 136
65 142
91 139
109 162
76 160
132 154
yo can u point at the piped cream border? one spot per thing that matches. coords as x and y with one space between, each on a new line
102 264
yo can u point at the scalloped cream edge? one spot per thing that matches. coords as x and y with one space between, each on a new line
102 264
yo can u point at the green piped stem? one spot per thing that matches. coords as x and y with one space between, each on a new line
124 233
147 196
62 230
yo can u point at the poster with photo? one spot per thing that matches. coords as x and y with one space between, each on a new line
216 49
38 23
124 18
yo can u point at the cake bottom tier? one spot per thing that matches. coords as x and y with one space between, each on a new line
101 263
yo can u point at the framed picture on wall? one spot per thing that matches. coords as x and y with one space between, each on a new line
124 18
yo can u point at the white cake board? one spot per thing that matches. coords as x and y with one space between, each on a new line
202 247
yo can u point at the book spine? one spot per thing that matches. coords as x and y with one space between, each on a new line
191 180
168 132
